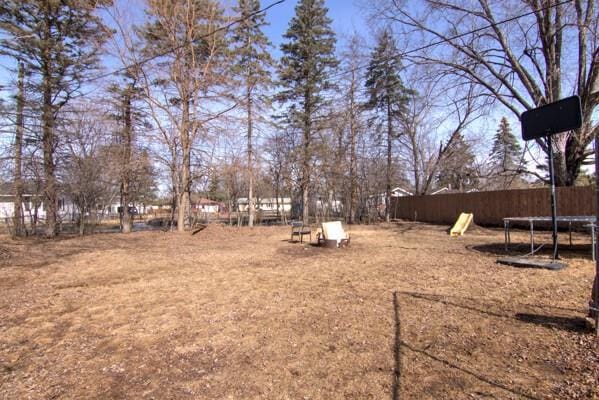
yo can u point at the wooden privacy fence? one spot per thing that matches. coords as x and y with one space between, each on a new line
490 208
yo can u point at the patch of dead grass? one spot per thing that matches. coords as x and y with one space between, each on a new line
242 313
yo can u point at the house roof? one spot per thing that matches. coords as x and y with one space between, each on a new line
244 200
444 189
402 191
202 201
198 199
9 198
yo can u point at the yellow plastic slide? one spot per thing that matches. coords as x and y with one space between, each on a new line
462 224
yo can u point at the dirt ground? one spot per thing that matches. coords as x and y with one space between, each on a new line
406 312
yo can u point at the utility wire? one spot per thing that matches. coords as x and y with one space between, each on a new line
364 91
338 73
173 49
450 39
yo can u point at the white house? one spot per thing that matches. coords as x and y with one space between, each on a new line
204 205
334 206
439 191
265 204
400 192
66 209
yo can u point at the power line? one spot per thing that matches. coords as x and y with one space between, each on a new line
363 91
173 49
452 38
339 73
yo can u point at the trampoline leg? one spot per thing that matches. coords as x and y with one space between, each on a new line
570 231
593 241
532 237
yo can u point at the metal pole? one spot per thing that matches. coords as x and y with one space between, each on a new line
553 198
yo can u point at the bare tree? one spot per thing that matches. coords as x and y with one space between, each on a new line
279 168
352 57
85 171
179 86
430 130
523 53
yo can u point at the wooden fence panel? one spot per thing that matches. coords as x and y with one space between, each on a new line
491 207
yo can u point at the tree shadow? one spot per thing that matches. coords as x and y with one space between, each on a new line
403 228
516 391
415 226
446 300
498 249
38 252
396 350
484 308
569 324
399 343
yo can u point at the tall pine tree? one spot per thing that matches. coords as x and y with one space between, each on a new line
506 161
506 152
387 96
458 169
308 58
253 67
59 43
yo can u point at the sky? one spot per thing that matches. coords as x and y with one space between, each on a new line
348 16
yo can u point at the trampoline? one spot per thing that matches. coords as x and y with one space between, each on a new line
586 220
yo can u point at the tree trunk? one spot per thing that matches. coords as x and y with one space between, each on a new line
277 194
352 154
388 169
18 217
82 219
250 155
306 170
416 162
183 199
174 191
126 224
35 218
50 195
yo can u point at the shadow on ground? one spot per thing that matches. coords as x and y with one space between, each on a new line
565 250
571 324
499 310
401 346
37 252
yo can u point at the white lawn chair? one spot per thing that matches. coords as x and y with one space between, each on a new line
333 235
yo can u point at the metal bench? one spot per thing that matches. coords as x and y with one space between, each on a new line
299 229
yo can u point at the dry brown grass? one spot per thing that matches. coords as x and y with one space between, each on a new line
242 314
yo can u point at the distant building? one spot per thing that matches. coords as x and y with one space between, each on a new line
267 204
442 190
333 206
66 209
400 192
205 205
